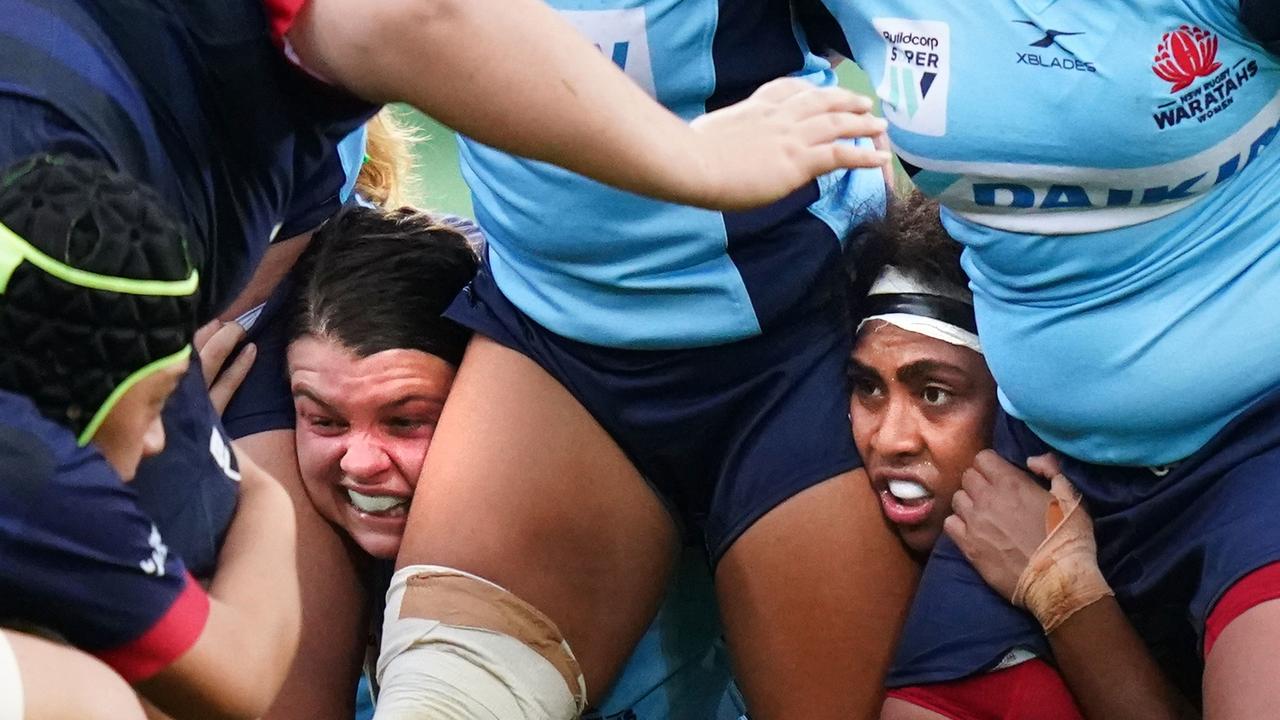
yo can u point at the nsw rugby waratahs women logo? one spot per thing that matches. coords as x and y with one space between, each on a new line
1186 54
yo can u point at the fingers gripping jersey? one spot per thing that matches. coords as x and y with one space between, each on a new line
79 558
610 268
1111 169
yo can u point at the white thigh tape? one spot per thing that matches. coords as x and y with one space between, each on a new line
456 646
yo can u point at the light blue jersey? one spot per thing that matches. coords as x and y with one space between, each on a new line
680 668
1108 165
610 268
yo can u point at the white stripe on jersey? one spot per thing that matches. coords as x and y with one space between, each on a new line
1063 200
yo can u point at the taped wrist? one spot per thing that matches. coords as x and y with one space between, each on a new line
1062 577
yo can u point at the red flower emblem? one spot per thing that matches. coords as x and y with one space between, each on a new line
1186 54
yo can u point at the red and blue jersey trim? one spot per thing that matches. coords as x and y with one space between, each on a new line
281 14
168 639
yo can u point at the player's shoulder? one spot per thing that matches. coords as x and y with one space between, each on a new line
35 451
28 437
28 447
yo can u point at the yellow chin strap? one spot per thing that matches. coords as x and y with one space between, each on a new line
134 378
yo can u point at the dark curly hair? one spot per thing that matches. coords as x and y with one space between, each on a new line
911 238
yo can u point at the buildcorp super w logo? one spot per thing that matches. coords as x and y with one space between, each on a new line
1186 55
917 73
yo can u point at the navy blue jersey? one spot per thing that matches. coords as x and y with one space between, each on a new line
191 488
1171 542
77 555
193 98
263 402
196 99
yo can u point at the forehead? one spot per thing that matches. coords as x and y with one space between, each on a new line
337 374
886 347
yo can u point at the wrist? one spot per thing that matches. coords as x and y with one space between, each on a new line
1055 592
1062 576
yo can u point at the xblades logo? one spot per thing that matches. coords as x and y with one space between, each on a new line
154 565
1050 36
1048 40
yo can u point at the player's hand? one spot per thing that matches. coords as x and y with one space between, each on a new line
999 517
215 342
787 133
881 142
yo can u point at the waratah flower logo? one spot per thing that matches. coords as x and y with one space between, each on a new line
1186 54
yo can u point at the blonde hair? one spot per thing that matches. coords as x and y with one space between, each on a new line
386 177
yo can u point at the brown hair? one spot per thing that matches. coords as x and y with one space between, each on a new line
375 279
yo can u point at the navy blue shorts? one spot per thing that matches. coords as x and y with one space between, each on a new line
190 489
722 433
1171 542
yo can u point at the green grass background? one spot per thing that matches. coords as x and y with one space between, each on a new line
440 186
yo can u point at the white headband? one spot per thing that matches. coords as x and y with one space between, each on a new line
939 313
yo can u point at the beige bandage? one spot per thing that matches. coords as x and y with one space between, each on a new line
1062 577
458 647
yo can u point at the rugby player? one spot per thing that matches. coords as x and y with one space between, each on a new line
97 307
643 375
923 401
1105 253
206 102
370 362
923 408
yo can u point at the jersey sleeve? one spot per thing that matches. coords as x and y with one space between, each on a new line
78 557
1262 18
263 402
282 14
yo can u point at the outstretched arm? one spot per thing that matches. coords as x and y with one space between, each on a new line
321 681
239 662
321 684
513 74
1001 522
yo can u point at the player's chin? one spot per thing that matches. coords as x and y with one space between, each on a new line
921 538
378 543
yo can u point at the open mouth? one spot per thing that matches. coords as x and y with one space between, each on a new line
381 505
906 502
